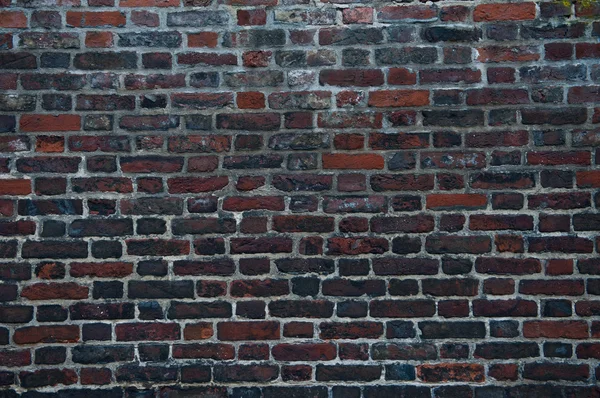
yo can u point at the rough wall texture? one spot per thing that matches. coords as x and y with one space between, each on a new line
262 198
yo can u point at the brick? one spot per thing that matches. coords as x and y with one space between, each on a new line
183 310
440 33
50 291
563 288
343 36
555 329
506 350
450 76
451 372
342 161
348 372
357 15
46 334
490 96
544 371
456 201
304 352
301 308
351 77
147 331
398 98
34 123
259 288
509 308
102 311
496 54
254 330
407 13
48 377
504 12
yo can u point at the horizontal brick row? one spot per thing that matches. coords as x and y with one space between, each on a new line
335 246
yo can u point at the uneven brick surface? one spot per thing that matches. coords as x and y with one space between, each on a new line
284 198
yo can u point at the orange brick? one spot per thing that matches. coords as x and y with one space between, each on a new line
445 372
13 19
15 186
198 331
588 179
354 161
509 243
50 123
98 39
250 100
203 39
49 143
504 12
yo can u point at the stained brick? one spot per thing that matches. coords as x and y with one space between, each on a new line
431 218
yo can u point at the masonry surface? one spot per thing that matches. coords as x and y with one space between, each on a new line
277 198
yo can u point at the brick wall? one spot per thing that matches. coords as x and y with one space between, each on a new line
263 198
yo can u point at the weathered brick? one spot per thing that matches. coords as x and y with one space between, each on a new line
417 206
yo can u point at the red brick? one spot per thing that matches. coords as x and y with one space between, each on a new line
92 19
145 18
457 13
504 372
98 39
198 331
101 270
451 372
41 123
203 39
343 161
47 334
559 267
55 291
149 3
204 351
13 19
398 98
508 54
15 358
357 15
49 144
504 12
95 376
401 76
351 77
588 179
147 331
252 17
555 158
250 100
257 59
556 329
407 12
456 201
15 186
256 330
304 352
